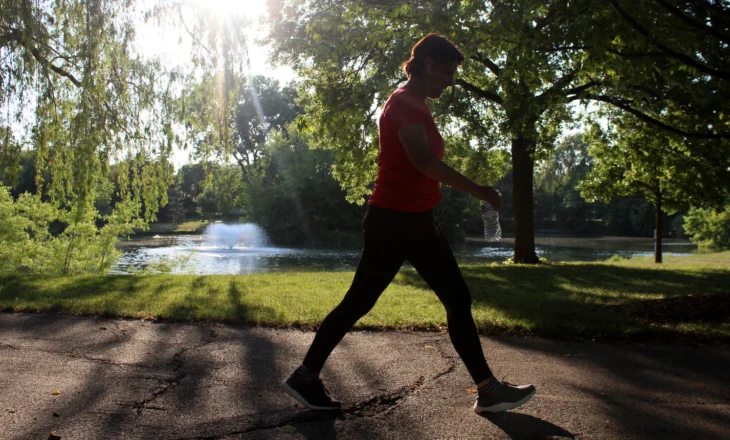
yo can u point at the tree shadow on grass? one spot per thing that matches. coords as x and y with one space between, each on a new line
570 300
62 294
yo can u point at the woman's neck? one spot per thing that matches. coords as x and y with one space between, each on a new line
417 85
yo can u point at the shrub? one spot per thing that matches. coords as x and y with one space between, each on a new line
709 227
27 244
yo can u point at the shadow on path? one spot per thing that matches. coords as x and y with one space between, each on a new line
523 426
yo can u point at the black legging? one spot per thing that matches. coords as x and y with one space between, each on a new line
391 237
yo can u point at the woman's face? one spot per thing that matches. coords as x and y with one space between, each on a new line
438 77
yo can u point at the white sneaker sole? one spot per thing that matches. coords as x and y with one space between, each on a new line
502 406
292 392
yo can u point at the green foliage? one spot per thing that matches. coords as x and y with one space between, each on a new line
632 159
72 65
556 181
525 63
238 126
27 245
192 178
296 200
11 155
709 227
98 117
173 211
223 193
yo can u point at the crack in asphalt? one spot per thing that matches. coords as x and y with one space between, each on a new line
170 383
102 360
80 356
449 359
377 406
381 404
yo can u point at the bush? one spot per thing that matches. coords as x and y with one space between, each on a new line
27 244
709 227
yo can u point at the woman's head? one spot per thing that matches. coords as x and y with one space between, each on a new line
434 59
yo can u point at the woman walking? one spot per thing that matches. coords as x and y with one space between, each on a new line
399 225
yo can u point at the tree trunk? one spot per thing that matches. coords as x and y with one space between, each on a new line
658 231
522 175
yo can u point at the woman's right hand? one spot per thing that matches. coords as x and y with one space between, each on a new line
489 195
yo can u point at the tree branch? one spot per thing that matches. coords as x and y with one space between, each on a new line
679 56
490 96
576 91
549 18
195 39
626 106
14 35
555 88
639 54
692 22
562 48
489 64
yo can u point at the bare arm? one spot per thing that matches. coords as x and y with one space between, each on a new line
415 143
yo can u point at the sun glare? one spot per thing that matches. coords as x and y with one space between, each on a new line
252 9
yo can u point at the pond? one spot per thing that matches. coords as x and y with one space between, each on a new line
197 254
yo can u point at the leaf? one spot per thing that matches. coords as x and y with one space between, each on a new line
55 393
471 390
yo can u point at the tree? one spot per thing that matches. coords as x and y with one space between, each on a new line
526 62
296 200
681 50
192 177
71 63
709 227
72 78
223 193
556 181
631 159
173 211
257 106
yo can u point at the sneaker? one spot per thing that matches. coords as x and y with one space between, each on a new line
313 395
505 396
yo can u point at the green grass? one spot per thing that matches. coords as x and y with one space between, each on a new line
168 228
191 226
564 300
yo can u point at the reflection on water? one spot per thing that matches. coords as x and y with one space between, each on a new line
204 258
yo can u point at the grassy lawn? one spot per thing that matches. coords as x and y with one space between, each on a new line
167 228
191 226
570 300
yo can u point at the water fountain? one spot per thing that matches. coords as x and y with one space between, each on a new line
247 235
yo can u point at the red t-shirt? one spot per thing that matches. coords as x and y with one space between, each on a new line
399 185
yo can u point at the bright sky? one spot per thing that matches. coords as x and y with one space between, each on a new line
161 41
158 40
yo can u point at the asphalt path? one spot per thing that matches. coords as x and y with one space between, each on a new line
95 378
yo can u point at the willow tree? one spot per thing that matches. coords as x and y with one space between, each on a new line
77 89
70 77
75 77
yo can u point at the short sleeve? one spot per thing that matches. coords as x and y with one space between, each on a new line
405 110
